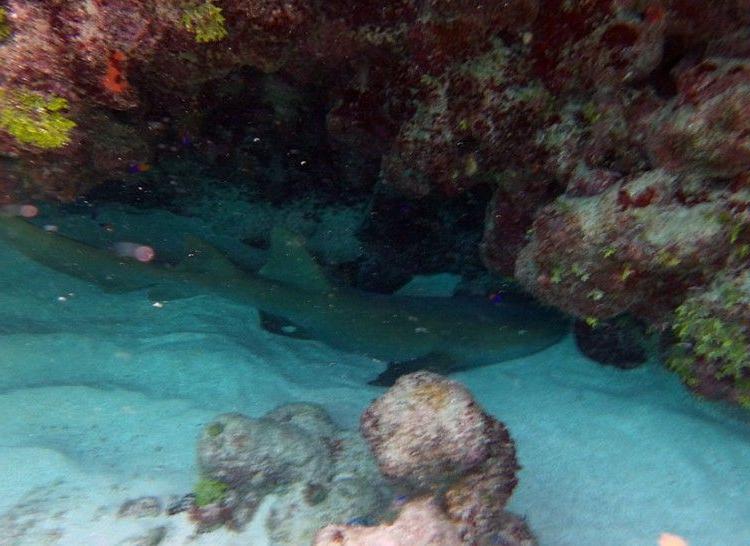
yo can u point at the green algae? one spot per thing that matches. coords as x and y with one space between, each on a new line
35 120
705 338
5 28
205 21
214 429
208 491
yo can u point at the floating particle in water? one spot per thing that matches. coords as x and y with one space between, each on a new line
25 211
142 253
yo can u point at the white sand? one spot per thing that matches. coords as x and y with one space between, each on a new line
102 396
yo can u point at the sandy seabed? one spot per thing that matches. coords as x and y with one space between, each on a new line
102 397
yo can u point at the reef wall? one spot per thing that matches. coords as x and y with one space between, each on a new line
608 138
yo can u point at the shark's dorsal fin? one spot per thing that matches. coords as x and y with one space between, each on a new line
439 285
289 262
204 258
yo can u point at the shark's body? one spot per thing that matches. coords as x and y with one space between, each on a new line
442 334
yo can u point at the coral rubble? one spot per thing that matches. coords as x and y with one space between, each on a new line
448 467
316 473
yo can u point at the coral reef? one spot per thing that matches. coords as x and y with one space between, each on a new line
632 248
430 436
608 138
205 21
34 120
317 473
711 339
703 129
5 27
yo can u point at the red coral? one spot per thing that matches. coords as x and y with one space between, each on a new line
642 199
115 80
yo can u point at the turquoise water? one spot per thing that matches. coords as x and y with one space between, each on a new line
103 397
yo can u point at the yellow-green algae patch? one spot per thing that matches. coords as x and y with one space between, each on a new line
33 119
706 337
5 28
205 21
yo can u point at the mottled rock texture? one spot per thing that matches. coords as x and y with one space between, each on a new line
608 138
430 436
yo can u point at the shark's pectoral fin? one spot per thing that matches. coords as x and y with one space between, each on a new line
280 326
433 362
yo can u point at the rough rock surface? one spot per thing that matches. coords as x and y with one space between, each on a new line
601 129
317 473
420 523
428 434
633 247
710 338
620 342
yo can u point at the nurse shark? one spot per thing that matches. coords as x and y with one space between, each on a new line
441 334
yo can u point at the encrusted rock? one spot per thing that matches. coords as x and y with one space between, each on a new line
636 247
428 433
620 342
420 523
704 129
709 343
152 537
260 454
140 508
317 473
311 418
